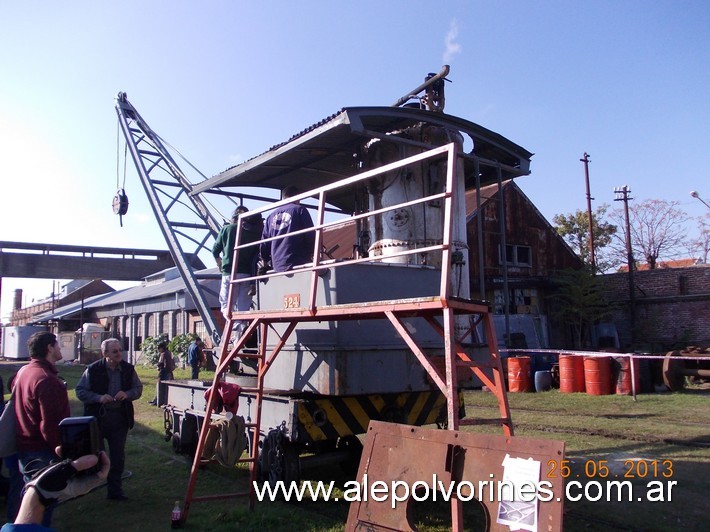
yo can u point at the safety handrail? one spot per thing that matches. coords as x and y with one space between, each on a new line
448 150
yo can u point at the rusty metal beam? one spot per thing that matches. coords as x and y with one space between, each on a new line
60 261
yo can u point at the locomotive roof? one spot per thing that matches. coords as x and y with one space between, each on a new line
326 151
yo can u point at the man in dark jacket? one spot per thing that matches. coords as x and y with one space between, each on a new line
285 253
107 389
194 356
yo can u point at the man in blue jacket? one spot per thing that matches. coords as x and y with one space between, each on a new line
285 253
194 356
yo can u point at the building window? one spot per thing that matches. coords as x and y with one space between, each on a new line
516 255
150 321
200 329
138 333
179 317
521 301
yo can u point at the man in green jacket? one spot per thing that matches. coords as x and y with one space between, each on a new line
223 252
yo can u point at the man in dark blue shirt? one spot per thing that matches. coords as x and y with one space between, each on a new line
194 356
289 251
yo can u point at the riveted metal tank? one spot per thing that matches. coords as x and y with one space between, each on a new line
420 225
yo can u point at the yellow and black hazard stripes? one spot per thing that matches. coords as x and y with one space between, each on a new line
333 417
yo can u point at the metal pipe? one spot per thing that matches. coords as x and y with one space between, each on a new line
479 232
503 254
404 99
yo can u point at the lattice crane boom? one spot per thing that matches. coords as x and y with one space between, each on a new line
151 157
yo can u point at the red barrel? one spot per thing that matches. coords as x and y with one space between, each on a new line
623 377
597 375
519 379
571 374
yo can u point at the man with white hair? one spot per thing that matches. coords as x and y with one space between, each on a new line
108 388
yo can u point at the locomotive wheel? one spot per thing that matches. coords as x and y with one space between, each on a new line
278 460
177 448
675 371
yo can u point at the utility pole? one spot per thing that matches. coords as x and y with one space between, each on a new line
622 194
586 160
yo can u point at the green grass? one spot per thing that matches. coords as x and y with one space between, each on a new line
665 426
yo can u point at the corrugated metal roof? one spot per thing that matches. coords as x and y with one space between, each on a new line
153 291
326 151
487 192
138 293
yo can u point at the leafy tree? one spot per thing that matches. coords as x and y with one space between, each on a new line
657 229
578 301
149 348
178 345
574 228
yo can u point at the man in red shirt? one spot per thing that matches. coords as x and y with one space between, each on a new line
41 402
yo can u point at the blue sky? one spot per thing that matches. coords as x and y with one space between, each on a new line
625 81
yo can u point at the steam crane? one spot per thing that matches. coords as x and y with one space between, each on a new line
153 162
388 334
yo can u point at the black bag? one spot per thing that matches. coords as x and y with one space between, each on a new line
8 419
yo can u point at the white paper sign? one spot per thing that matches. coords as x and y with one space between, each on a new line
519 505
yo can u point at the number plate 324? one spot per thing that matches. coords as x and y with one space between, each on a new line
292 300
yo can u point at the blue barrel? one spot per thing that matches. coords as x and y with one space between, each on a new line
543 381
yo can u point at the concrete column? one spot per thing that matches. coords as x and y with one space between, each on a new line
171 323
132 331
146 321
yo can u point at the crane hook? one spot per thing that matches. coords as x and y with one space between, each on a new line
120 204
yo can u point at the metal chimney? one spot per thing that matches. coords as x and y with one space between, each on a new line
17 301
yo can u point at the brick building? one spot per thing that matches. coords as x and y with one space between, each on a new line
672 307
518 287
72 292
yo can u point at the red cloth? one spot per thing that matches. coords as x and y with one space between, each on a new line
41 402
228 394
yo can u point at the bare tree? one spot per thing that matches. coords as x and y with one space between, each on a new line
658 231
700 247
